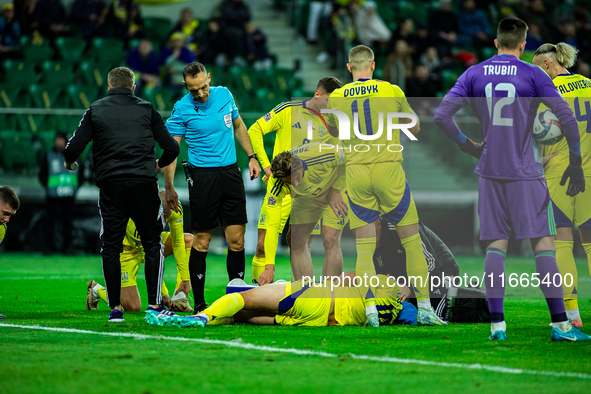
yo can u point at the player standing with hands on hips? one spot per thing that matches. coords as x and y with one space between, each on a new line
123 129
505 93
208 119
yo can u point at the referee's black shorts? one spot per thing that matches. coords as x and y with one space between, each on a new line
217 197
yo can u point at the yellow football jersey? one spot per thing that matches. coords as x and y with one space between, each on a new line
576 90
289 120
3 229
366 103
324 169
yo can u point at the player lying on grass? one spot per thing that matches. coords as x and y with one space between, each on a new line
175 243
297 304
289 120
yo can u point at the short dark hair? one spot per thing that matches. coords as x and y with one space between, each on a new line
511 32
192 69
329 84
8 196
62 135
121 77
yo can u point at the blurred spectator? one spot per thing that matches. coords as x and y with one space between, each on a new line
319 9
371 29
144 62
10 32
443 22
53 19
257 53
187 24
398 65
27 14
233 14
404 31
535 11
583 68
430 59
216 46
534 37
342 33
174 57
473 26
89 16
421 84
125 18
568 33
60 191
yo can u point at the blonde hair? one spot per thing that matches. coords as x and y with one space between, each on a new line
562 53
284 163
360 58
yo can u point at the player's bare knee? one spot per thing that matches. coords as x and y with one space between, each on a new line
131 306
236 244
188 240
201 241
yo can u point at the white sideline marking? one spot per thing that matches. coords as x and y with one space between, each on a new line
237 344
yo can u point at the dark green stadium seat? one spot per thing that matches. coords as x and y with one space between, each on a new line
157 29
47 96
81 96
162 98
37 53
56 73
70 49
93 73
19 72
16 153
107 51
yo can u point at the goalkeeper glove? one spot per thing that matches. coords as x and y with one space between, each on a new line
472 148
574 171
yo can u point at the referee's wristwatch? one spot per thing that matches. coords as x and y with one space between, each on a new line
253 156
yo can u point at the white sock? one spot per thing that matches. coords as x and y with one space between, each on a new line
424 304
204 316
563 326
502 326
370 309
95 289
573 314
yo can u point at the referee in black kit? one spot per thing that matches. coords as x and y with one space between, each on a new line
123 128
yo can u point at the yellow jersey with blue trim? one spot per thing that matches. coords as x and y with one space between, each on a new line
576 90
366 103
3 229
324 168
289 120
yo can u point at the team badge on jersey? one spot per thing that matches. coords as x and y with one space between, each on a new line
267 116
272 201
228 120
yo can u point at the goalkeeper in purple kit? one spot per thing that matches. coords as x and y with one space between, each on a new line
505 93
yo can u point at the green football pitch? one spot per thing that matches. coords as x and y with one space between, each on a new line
49 342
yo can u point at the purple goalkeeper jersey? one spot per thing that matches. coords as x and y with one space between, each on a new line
504 93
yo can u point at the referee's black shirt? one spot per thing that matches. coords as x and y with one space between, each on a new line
123 128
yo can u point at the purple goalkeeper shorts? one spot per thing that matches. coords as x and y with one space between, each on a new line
513 206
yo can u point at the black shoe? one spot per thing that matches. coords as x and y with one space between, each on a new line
199 308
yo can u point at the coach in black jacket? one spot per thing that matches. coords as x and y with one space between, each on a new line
123 128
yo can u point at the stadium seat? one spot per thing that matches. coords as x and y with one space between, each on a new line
93 73
108 51
56 73
157 29
19 72
81 96
47 96
15 151
37 53
162 98
70 49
